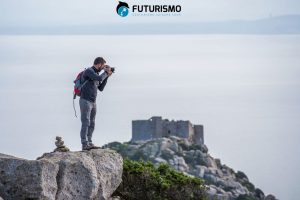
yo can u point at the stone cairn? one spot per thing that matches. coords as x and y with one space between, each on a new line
60 147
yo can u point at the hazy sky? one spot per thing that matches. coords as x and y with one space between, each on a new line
243 89
84 12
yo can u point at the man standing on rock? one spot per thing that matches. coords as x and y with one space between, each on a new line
88 96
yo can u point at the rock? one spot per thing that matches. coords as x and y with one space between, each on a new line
210 178
167 154
212 170
204 148
1 198
201 171
193 159
220 173
160 160
270 197
27 179
165 144
211 191
218 162
174 147
59 143
215 193
180 164
211 162
259 194
116 198
99 172
171 163
93 174
151 150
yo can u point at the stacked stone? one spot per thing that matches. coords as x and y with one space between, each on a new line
60 147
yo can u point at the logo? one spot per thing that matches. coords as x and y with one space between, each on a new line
148 9
122 9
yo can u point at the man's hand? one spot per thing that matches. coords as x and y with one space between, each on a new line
108 71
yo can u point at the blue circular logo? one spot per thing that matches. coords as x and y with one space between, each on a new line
122 9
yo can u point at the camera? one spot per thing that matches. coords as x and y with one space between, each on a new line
111 68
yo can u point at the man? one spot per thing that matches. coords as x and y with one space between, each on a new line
87 102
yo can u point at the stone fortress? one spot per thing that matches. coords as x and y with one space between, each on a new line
156 127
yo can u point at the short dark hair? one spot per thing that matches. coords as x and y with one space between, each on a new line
99 60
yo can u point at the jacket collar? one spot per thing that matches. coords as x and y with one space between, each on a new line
94 68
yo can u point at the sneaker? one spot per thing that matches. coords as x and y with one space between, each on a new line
92 146
86 148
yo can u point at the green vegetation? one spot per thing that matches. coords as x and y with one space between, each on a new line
118 147
249 186
142 180
243 179
241 175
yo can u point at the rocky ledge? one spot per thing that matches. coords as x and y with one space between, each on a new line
81 175
193 159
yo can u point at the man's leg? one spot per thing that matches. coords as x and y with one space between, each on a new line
92 123
85 109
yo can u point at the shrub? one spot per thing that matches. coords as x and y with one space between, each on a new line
142 180
241 175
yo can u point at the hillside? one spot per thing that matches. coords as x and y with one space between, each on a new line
222 181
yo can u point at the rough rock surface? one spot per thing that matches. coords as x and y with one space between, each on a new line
270 197
20 178
93 174
192 159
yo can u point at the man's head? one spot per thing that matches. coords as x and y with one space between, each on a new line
99 63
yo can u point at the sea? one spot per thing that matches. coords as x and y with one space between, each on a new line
244 90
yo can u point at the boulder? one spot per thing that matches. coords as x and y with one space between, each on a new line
259 194
93 174
159 160
174 147
212 191
179 164
167 154
210 178
200 170
211 162
270 197
151 149
27 179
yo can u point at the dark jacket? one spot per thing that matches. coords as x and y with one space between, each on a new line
94 82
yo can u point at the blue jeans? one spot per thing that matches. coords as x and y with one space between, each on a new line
88 111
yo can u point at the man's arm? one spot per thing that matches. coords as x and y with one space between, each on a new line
91 74
109 72
102 85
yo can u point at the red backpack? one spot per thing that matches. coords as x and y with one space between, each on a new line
77 87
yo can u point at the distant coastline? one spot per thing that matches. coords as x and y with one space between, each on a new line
287 24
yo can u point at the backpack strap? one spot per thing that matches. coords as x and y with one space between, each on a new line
81 80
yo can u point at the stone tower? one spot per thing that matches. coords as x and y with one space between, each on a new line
156 127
